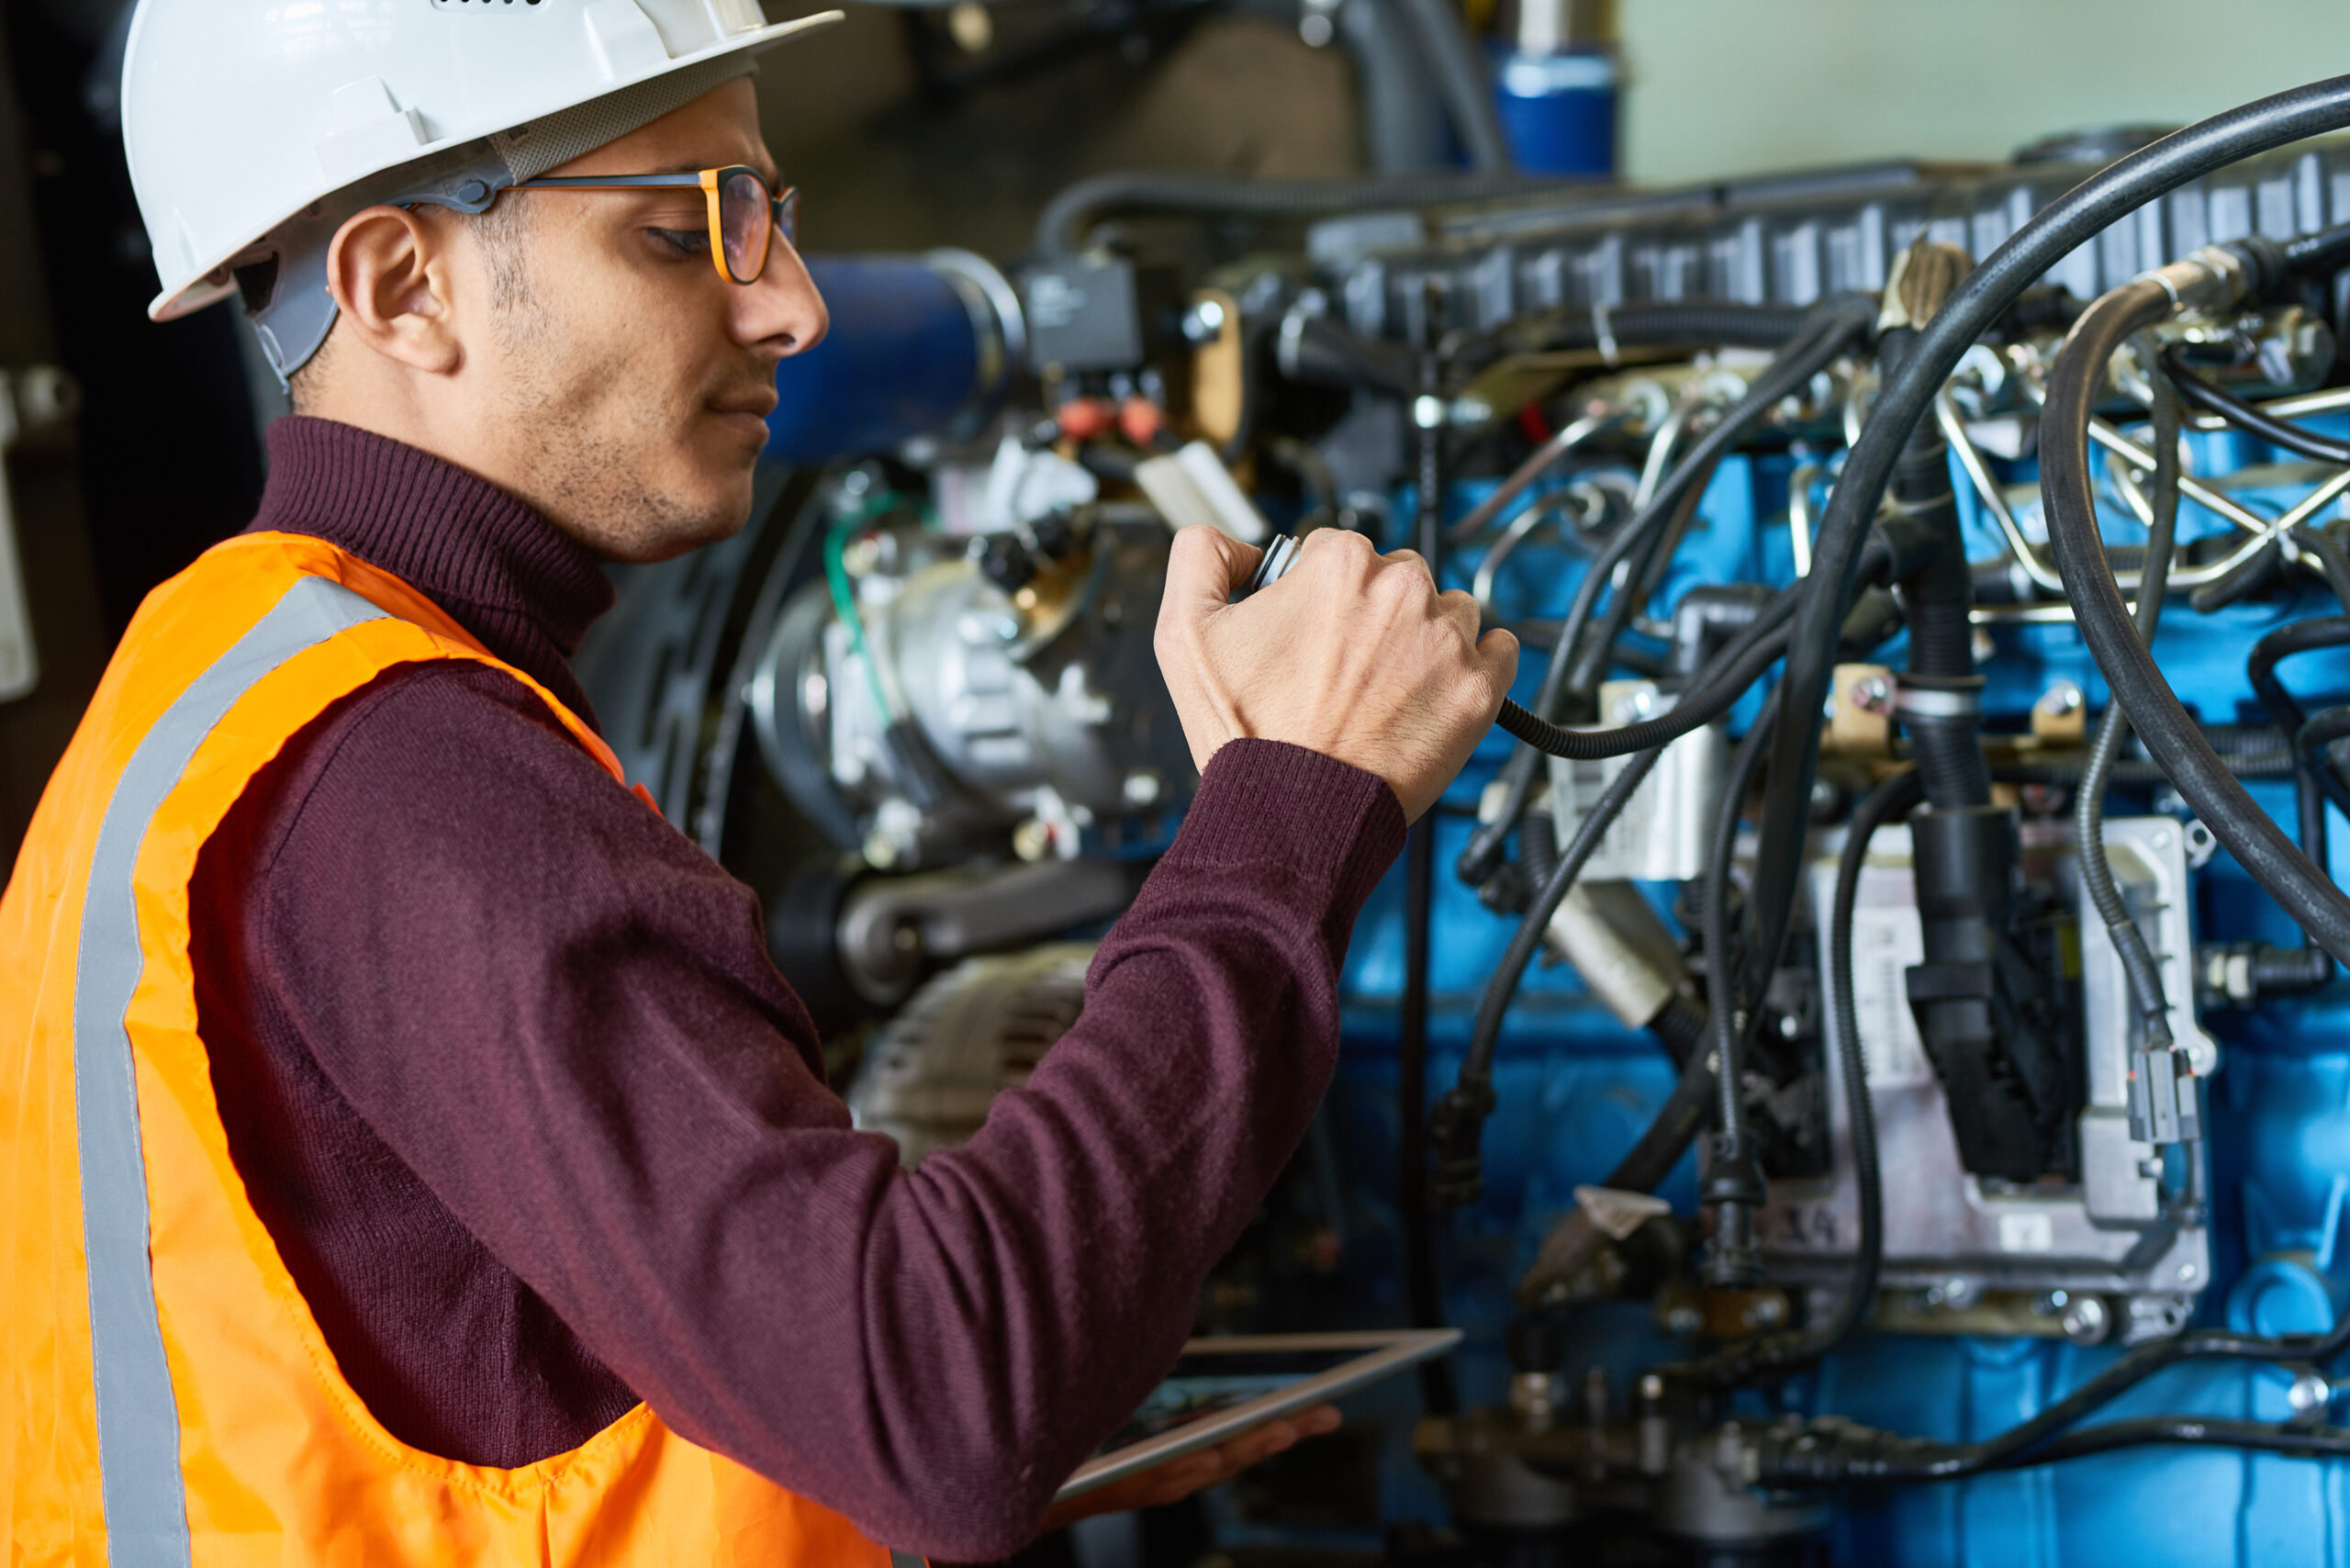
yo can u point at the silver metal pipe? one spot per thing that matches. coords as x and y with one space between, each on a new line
1801 520
1545 457
1668 436
2210 571
1986 489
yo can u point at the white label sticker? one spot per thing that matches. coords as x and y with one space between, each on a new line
1886 940
2027 1232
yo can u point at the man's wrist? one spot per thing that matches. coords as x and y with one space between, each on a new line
1265 805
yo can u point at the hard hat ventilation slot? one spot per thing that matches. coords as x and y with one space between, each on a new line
257 284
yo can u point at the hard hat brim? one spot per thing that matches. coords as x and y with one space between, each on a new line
200 287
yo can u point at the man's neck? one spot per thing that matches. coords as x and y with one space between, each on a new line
517 583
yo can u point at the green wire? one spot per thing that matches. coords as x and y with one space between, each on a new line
845 606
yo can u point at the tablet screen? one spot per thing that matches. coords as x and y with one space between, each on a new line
1204 1385
1222 1387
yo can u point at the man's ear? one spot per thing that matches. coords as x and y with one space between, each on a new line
388 269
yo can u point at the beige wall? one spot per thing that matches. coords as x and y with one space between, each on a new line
1743 87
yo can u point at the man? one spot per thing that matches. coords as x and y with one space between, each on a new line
414 1156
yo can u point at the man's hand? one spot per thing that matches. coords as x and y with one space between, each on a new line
1178 1478
1354 655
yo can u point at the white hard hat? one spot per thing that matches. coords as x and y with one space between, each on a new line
255 127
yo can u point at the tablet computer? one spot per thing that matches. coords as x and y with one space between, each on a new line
1224 1386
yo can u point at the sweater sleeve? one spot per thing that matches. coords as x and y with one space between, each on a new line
561 1015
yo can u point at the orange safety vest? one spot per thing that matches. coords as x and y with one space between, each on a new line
165 1395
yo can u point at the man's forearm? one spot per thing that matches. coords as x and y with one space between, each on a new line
1024 1293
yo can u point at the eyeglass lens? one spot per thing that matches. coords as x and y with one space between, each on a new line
746 214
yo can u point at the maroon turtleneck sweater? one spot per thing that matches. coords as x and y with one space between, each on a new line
540 1131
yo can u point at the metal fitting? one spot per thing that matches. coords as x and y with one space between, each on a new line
2214 278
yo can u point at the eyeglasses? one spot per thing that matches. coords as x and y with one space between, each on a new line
745 213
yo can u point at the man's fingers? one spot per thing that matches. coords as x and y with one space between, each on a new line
1460 607
1203 567
1497 651
1316 1421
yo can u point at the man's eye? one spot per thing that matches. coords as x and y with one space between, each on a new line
685 241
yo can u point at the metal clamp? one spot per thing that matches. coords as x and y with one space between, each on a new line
1936 702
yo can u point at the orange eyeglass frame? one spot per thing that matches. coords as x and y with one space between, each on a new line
781 208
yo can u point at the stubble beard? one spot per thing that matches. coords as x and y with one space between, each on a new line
588 427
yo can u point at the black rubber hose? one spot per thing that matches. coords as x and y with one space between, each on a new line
1779 1355
2246 577
2246 417
2171 734
2334 561
1062 228
2055 232
1461 81
2260 669
2318 734
1676 323
1571 1247
1456 1129
1681 1029
2262 847
1538 848
2137 961
2136 773
1830 325
1836 321
2196 1432
1519 774
1843 1453
1730 1019
1938 596
1694 708
1886 803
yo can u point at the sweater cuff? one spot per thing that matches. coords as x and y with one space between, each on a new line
1271 803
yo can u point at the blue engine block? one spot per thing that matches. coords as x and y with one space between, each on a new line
1575 1088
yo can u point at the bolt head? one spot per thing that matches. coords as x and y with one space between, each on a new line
2310 1392
2063 698
2087 1320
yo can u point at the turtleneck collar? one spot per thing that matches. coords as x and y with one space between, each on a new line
527 589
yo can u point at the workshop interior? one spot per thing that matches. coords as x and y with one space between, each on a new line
1861 1053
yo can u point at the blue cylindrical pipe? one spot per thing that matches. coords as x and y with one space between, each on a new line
919 346
1559 110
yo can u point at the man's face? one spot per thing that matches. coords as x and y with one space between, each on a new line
630 381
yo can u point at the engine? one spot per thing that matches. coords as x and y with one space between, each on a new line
1866 1099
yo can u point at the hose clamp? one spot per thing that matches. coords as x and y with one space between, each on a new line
1936 702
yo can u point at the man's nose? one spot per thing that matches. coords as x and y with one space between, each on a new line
781 313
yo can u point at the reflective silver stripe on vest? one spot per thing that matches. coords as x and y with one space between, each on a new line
138 1427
